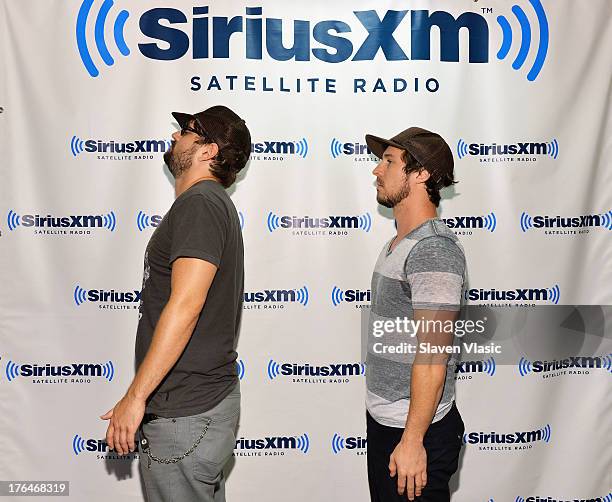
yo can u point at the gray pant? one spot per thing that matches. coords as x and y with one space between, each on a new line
198 476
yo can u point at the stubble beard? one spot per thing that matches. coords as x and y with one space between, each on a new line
392 200
179 164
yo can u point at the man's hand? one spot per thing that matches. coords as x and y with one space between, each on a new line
124 418
409 462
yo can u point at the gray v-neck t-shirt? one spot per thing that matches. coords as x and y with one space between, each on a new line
425 270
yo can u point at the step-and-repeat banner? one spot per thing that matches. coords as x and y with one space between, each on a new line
520 90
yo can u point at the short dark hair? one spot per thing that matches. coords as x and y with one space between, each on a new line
434 183
234 150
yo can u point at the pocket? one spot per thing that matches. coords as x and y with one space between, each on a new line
446 437
161 435
215 448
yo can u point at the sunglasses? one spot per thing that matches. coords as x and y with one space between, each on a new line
186 128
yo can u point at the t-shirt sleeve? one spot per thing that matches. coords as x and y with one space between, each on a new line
435 269
198 230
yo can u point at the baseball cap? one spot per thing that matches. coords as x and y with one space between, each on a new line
221 125
428 148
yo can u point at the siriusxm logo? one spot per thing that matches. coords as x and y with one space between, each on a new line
91 445
143 220
299 148
79 146
298 295
574 364
361 222
357 444
86 370
240 368
338 148
107 221
486 222
543 435
80 445
552 295
550 148
555 222
487 367
532 498
300 443
334 371
81 296
349 296
335 41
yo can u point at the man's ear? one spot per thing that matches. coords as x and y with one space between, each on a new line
208 151
423 175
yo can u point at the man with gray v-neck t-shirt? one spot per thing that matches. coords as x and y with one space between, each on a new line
414 428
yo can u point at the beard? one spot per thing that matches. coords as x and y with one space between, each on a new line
179 164
391 200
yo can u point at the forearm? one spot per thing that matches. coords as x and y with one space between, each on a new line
172 333
427 382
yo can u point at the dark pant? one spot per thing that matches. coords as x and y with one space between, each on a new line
442 443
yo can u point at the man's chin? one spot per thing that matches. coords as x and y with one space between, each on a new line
384 202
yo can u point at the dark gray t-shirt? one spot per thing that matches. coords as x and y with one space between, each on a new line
202 223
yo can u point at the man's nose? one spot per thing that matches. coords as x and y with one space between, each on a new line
175 135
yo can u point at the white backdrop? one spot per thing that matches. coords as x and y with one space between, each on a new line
86 91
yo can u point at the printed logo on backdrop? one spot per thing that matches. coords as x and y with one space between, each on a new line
319 226
341 444
49 373
525 152
570 366
62 225
272 446
333 373
466 370
104 149
520 297
548 498
466 225
358 152
166 33
508 442
279 150
565 225
87 447
106 299
145 221
240 369
276 299
358 298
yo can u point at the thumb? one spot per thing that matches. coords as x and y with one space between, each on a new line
107 415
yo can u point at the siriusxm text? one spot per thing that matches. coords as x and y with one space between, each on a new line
321 41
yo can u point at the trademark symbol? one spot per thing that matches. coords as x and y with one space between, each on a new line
487 10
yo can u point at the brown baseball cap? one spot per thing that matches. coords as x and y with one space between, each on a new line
428 148
221 125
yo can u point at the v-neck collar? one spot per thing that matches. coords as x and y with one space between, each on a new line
389 251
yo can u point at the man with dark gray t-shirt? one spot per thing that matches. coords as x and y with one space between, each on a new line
185 398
